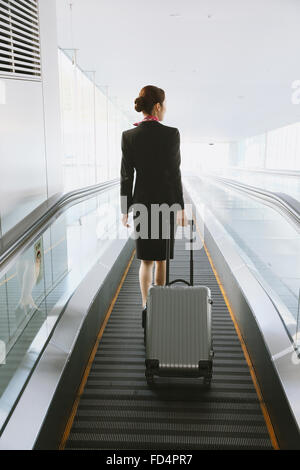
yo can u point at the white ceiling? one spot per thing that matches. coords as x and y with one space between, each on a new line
226 66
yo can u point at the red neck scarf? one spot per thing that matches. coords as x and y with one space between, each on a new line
147 118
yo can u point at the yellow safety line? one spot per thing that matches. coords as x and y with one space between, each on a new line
91 359
8 279
55 245
245 351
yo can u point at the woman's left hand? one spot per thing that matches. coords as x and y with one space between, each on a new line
125 220
181 218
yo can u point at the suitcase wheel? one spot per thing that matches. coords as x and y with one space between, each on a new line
149 378
207 381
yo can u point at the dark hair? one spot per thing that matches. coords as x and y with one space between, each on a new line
148 97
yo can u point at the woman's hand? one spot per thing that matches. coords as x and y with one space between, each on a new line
125 220
181 218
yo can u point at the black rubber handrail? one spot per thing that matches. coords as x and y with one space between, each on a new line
287 204
14 240
267 171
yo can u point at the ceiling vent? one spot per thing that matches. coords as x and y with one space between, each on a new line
19 39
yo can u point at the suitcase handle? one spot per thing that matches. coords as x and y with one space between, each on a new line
191 283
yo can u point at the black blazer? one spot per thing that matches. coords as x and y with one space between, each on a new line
153 151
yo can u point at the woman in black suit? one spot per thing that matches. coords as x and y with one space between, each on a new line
152 150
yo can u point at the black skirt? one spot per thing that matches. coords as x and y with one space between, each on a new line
151 232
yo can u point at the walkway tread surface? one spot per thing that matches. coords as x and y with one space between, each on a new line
119 411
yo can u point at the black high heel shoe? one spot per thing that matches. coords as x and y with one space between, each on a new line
144 314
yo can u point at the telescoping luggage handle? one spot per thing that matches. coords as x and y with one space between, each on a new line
191 283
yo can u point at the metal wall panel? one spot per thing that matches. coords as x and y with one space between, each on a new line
22 151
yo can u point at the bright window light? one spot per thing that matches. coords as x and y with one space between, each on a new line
201 157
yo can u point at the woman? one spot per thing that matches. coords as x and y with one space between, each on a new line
152 150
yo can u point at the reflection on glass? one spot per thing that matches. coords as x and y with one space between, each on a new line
44 276
29 268
277 149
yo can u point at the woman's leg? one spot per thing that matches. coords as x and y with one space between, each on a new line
160 273
145 275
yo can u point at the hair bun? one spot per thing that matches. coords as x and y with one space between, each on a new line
148 97
139 104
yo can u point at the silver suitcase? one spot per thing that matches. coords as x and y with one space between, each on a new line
177 326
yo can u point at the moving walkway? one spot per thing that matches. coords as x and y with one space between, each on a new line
78 382
118 410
